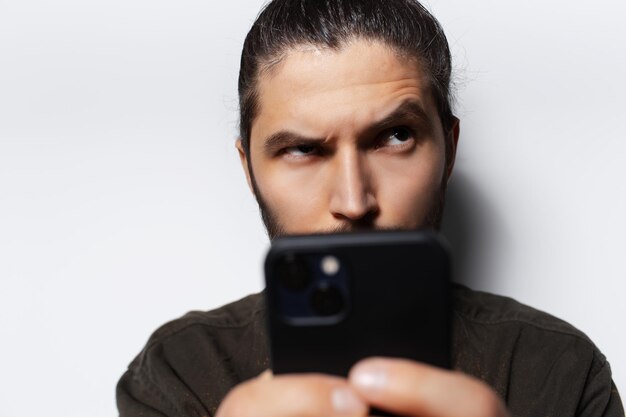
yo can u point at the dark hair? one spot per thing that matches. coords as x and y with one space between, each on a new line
404 25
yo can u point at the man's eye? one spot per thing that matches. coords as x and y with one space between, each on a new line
300 150
397 136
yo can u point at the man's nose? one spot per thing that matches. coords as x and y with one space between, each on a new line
352 195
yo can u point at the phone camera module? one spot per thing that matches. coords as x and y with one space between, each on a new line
327 300
293 273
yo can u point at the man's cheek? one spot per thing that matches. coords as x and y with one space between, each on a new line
296 210
409 208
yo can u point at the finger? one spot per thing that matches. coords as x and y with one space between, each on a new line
413 389
308 395
267 374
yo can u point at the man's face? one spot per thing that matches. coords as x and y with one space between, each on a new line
345 140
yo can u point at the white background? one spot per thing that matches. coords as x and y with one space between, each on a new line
122 203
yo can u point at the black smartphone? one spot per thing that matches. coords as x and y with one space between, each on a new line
334 299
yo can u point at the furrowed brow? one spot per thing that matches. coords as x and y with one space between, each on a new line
285 139
409 110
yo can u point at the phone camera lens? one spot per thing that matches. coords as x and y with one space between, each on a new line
327 300
293 273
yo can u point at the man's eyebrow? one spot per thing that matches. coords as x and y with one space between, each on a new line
285 139
410 110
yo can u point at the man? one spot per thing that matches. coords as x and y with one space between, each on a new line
346 124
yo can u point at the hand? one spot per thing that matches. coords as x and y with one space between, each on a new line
414 389
402 387
302 395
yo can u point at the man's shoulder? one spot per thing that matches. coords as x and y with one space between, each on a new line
191 362
237 314
235 321
496 321
512 346
487 309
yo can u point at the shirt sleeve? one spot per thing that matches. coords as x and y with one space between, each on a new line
600 397
153 387
134 401
190 364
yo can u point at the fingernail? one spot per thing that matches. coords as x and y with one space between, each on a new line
345 401
369 377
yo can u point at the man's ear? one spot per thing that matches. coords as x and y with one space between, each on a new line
243 158
452 140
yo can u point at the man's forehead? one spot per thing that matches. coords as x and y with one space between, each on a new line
355 62
322 86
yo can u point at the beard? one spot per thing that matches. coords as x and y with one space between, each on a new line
274 229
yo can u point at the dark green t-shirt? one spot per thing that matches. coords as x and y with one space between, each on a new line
539 365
